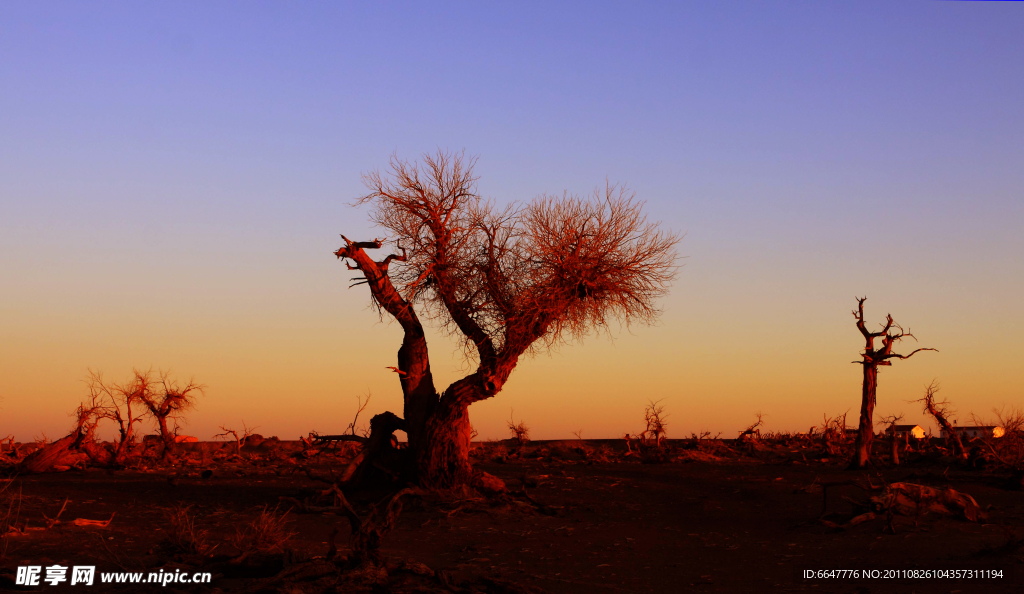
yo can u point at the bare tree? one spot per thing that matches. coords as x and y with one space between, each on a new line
360 407
654 416
833 433
239 439
941 411
168 403
124 404
890 421
520 432
79 440
753 431
871 360
505 281
1007 449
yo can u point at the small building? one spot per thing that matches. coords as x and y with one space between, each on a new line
157 439
977 431
906 431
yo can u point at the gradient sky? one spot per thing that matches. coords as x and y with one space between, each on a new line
174 177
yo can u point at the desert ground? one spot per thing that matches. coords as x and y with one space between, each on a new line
580 516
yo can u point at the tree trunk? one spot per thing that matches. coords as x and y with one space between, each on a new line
417 384
442 461
166 437
953 436
866 432
895 450
121 450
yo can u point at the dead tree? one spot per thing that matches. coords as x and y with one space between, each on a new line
125 404
506 282
73 447
891 421
940 410
168 403
753 431
1008 449
654 416
520 432
871 360
833 434
239 439
360 407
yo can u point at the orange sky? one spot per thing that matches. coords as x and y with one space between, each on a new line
289 355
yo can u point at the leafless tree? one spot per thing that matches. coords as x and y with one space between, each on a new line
168 403
833 433
520 432
890 422
124 404
505 281
941 411
654 416
361 406
1007 449
753 431
79 440
239 439
871 360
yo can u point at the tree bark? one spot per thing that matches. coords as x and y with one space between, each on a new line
442 461
165 437
866 430
953 436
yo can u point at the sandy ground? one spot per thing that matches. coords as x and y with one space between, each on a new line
698 522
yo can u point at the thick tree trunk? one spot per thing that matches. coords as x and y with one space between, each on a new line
866 432
442 461
417 383
437 426
166 437
439 458
121 449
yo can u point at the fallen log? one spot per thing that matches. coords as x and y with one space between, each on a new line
909 499
48 456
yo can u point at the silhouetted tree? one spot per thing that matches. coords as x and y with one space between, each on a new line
941 411
871 359
125 404
505 281
239 439
890 423
168 402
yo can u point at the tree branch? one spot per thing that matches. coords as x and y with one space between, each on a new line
911 354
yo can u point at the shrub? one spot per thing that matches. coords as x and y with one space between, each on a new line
268 533
185 536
